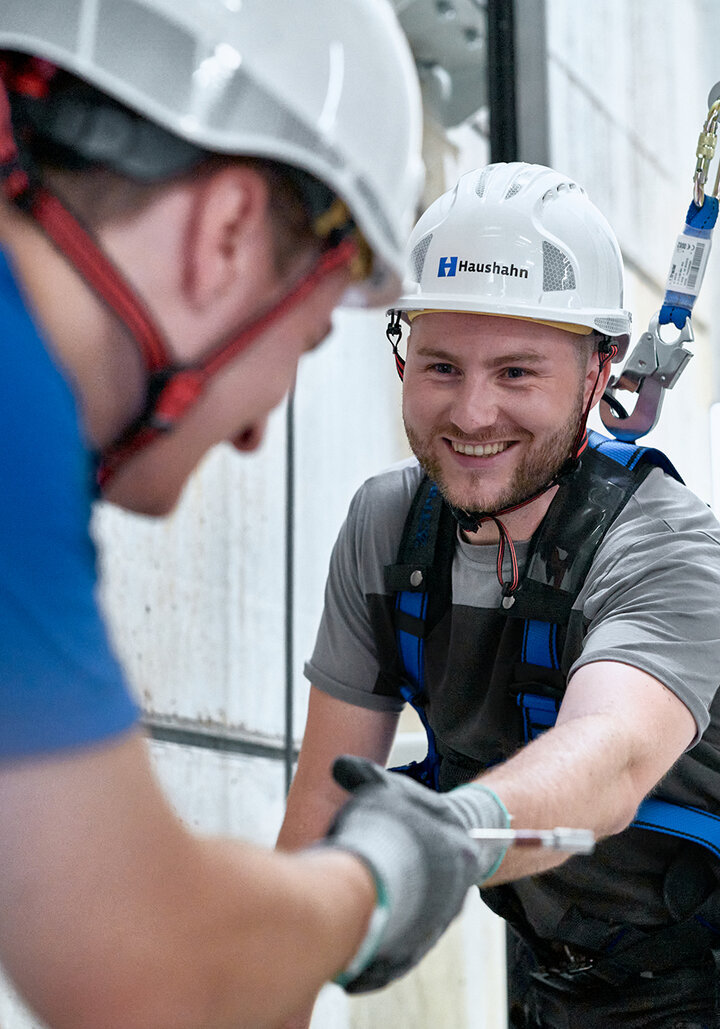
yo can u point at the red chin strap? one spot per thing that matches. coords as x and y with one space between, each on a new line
171 389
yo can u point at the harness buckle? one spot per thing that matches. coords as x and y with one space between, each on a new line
577 961
571 971
653 367
568 979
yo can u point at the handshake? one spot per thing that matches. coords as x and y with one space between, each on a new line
424 850
417 845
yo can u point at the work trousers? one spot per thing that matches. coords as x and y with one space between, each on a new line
683 998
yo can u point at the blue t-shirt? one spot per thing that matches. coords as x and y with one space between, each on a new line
60 684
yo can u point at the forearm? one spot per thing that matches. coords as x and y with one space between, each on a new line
242 958
237 954
590 771
333 728
312 804
307 918
114 915
618 732
578 775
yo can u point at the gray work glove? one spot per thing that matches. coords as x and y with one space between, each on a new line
416 845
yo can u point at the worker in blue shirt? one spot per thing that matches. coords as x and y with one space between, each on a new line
188 190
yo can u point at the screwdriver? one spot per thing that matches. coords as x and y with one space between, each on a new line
573 841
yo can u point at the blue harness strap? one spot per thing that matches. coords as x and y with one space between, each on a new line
412 653
629 455
689 823
411 646
539 646
410 581
539 713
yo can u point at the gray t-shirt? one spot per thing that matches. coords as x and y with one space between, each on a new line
650 600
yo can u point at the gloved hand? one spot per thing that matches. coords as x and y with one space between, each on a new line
415 843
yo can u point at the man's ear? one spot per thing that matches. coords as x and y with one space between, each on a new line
229 236
599 382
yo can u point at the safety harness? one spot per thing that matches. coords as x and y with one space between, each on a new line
588 500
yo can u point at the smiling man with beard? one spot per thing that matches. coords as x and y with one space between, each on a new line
532 589
493 424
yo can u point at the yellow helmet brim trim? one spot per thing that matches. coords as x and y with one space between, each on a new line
579 330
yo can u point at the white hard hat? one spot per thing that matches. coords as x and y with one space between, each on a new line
325 86
519 240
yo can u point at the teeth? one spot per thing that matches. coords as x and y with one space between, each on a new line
480 450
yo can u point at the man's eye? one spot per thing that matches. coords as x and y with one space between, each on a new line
443 369
516 373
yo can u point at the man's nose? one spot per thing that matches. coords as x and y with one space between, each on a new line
251 438
476 405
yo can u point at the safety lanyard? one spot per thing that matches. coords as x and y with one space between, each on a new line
654 365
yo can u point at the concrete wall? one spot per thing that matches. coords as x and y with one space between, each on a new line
199 603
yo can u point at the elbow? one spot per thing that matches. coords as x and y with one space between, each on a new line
619 820
627 796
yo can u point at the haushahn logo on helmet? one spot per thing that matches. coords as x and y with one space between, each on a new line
450 266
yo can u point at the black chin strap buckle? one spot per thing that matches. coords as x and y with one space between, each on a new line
394 335
469 521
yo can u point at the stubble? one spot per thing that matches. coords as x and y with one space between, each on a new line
541 462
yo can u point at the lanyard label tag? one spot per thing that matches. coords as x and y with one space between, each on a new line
687 267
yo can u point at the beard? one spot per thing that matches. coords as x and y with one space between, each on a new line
540 464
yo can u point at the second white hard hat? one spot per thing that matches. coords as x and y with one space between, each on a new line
519 240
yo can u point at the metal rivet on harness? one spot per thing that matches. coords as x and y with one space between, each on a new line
416 577
507 602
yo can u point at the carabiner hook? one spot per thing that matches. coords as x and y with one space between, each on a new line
653 367
705 152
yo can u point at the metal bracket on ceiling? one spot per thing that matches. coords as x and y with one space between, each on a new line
449 42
